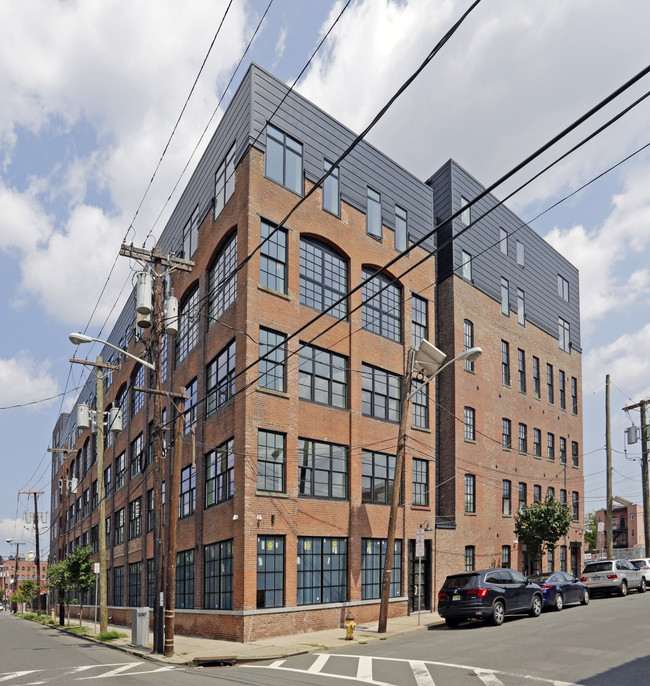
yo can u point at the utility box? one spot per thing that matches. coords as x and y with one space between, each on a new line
140 626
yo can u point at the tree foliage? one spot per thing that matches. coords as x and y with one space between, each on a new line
591 531
28 590
81 577
541 525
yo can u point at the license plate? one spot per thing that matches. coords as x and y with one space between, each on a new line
595 578
455 597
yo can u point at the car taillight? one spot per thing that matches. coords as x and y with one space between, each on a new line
545 587
612 576
583 579
441 595
478 592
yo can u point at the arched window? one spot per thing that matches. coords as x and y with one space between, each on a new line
382 306
223 280
323 278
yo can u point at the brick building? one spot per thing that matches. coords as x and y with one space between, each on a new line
26 572
287 466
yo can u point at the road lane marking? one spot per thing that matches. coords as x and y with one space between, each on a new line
421 673
113 672
17 675
319 663
364 669
488 678
276 664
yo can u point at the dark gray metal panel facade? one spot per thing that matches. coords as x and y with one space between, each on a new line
537 278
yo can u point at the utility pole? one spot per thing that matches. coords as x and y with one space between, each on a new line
38 549
644 470
608 451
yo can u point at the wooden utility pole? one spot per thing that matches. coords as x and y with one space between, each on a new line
608 451
38 548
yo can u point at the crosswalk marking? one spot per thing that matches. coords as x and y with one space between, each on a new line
16 675
421 673
319 663
364 669
488 678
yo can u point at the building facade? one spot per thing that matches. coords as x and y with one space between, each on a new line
26 572
291 345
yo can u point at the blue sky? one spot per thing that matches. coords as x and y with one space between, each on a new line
91 92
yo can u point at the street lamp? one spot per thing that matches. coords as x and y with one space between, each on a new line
79 338
429 361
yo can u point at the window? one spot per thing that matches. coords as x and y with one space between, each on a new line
521 370
220 374
574 453
188 326
550 447
137 399
331 189
505 297
272 362
537 493
108 531
523 495
563 496
506 433
420 482
575 506
470 424
185 579
505 556
223 280
563 288
118 586
191 235
380 394
381 309
271 461
163 357
220 474
523 438
218 576
322 469
187 494
574 395
135 518
270 571
562 450
151 510
521 257
537 389
135 584
137 456
283 159
121 403
503 240
550 493
466 214
505 363
550 560
94 496
401 228
563 567
549 383
470 558
466 265
323 377
420 405
107 481
120 470
373 214
273 258
373 553
537 443
470 494
322 570
468 329
118 535
419 321
224 181
506 497
323 278
521 307
564 335
377 477
562 388
191 391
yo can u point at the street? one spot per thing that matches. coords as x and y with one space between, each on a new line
605 642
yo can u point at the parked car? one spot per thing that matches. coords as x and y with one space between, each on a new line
560 589
489 594
643 563
613 576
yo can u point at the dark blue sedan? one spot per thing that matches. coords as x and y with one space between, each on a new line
560 589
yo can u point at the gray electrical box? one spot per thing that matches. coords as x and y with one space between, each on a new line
140 626
632 434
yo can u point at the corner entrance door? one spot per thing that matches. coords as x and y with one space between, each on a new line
420 578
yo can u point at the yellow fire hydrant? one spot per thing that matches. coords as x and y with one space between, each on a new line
349 627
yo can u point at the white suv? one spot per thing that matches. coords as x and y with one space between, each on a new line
614 576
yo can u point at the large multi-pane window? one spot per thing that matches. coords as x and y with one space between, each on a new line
224 181
185 579
283 159
466 265
380 394
270 571
118 530
322 574
218 576
523 494
505 363
537 385
191 235
505 297
468 342
574 454
377 477
107 481
137 455
135 518
521 307
273 258
574 395
271 461
562 389
187 494
470 493
323 278
575 506
220 474
135 584
120 470
506 497
331 189
220 375
550 446
549 383
420 482
188 326
401 228
562 288
137 398
521 370
381 308
419 320
537 442
322 469
272 361
470 424
192 392
564 329
118 586
223 280
373 214
506 433
373 553
470 558
562 450
323 376
523 438
537 493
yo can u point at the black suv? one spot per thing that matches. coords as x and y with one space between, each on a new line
488 594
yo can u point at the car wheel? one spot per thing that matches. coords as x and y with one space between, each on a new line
536 607
498 613
452 622
559 602
585 597
622 591
642 585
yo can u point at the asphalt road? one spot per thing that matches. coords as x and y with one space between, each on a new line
606 643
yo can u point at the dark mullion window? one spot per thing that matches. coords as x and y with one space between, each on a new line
188 327
187 495
550 447
185 579
523 494
420 402
521 370
420 320
470 493
120 470
537 443
322 469
574 454
270 571
283 159
506 433
562 389
420 482
218 576
574 395
506 497
468 330
377 477
273 258
523 438
135 584
537 388
470 424
135 518
271 461
191 235
221 378
322 570
118 535
137 399
373 554
137 455
223 281
220 474
549 384
381 393
505 363
118 586
272 373
381 309
323 377
323 278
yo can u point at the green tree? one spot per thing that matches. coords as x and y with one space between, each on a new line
541 525
591 531
28 590
58 580
79 564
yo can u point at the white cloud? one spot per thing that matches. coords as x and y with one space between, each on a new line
24 225
24 380
280 46
15 528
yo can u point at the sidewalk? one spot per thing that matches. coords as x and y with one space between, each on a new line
195 650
